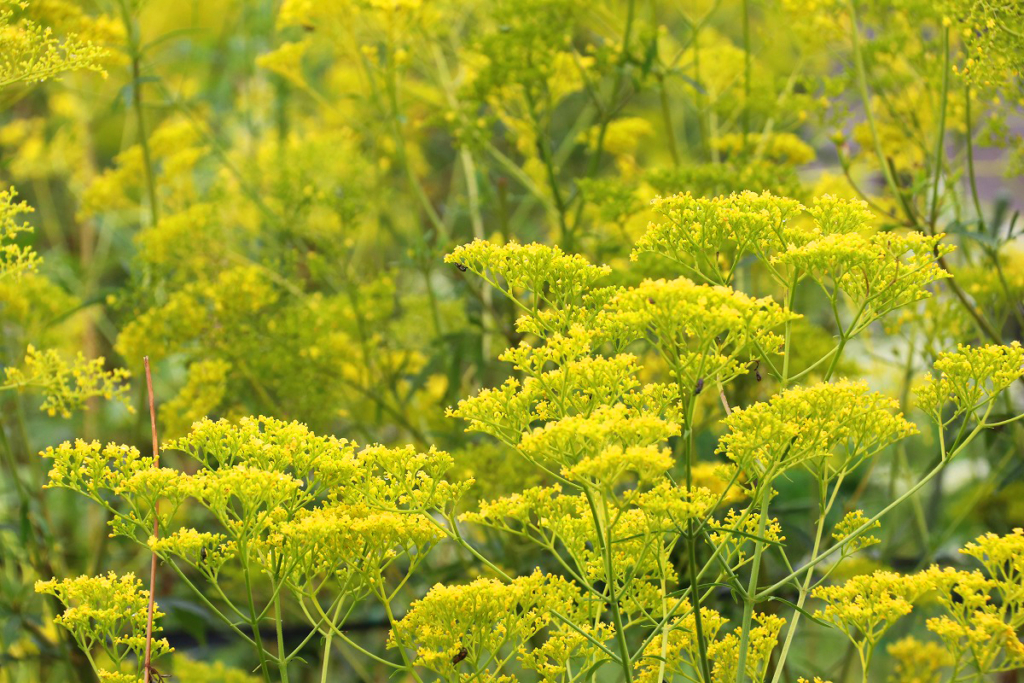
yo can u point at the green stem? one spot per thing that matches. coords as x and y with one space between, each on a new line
666 115
147 159
282 661
691 541
254 619
940 139
755 568
747 72
865 95
790 299
970 159
602 527
804 591
865 660
943 462
327 644
394 628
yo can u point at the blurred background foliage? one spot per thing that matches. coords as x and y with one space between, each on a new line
258 194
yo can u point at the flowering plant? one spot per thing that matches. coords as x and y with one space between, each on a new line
681 342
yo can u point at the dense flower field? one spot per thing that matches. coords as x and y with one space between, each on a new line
559 341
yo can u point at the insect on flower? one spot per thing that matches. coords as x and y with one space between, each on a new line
700 386
156 676
460 655
462 267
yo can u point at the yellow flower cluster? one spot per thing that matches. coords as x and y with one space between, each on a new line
981 620
970 378
467 630
831 243
107 612
585 438
266 443
646 526
203 310
779 148
66 387
177 146
552 278
32 53
866 606
15 259
992 39
352 544
698 233
307 505
878 273
810 426
406 479
204 391
917 661
701 330
577 390
677 653
850 523
205 551
738 530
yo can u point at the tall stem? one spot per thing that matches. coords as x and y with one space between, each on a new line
947 457
254 621
666 115
148 661
790 299
327 643
865 96
604 537
135 53
755 569
747 72
691 544
940 139
804 590
282 661
970 158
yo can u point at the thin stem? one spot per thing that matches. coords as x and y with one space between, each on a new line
947 457
253 618
862 86
147 160
282 661
601 526
691 542
394 629
327 644
666 115
804 590
747 72
206 601
755 568
148 661
865 660
970 158
941 137
790 298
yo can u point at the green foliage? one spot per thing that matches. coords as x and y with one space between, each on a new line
685 338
